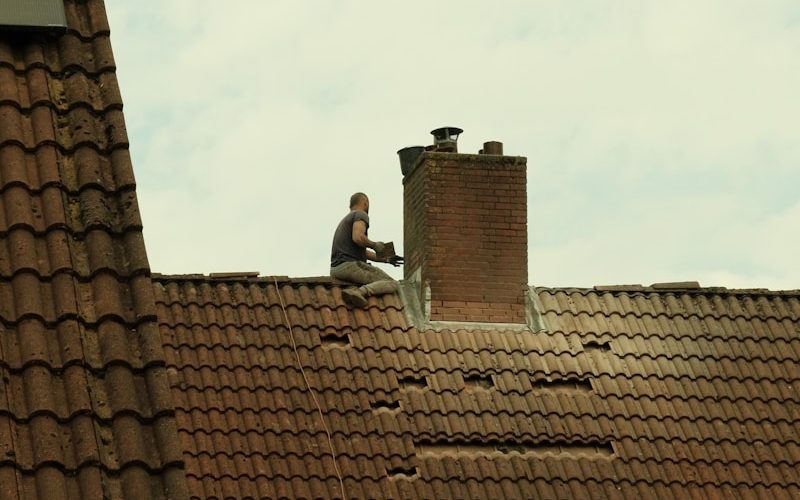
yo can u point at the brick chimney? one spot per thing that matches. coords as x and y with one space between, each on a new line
465 232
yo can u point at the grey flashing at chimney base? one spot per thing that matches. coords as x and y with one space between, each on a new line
418 314
533 311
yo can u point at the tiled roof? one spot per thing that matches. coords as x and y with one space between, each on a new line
111 382
626 393
85 406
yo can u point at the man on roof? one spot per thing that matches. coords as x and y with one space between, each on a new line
352 249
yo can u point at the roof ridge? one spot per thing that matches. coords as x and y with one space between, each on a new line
667 287
245 277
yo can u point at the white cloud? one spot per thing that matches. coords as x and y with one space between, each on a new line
659 135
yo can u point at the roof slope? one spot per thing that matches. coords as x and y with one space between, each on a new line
85 407
626 394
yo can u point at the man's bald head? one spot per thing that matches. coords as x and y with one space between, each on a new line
359 200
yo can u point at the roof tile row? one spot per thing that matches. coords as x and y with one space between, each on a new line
283 489
330 320
69 342
86 168
77 127
316 294
777 305
663 327
78 214
520 471
83 441
90 481
434 425
384 453
36 86
390 381
38 390
68 53
25 295
537 366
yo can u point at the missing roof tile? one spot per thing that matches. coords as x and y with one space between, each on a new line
478 381
594 345
402 472
412 382
476 448
567 384
385 405
335 340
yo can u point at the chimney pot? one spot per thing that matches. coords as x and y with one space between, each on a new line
408 158
493 148
445 139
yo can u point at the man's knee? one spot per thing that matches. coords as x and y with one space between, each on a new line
380 287
350 271
375 274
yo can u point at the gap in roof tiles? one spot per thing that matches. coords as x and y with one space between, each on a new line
385 405
506 448
567 385
402 473
412 382
418 314
594 345
478 381
334 340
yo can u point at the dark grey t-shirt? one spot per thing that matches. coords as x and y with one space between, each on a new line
344 249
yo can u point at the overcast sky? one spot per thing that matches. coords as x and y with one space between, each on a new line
663 138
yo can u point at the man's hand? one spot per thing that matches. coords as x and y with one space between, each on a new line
379 247
396 260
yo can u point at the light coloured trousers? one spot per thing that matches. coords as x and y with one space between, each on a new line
373 281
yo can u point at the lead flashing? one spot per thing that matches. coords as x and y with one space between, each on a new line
418 314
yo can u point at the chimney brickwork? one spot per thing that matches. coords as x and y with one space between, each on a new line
466 236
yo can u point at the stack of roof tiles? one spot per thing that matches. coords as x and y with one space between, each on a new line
625 394
85 407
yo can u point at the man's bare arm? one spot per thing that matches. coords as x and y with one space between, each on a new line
360 235
360 238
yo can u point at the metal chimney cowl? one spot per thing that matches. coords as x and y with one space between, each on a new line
445 139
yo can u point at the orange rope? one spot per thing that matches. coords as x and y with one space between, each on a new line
310 390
